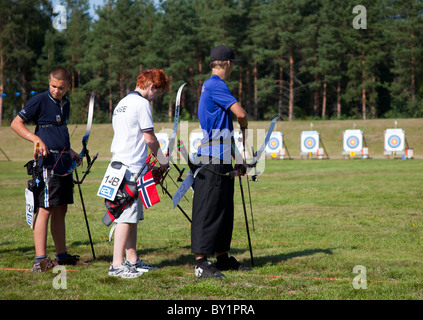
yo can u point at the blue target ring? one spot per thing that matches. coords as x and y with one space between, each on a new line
273 143
163 144
394 141
352 142
309 142
196 143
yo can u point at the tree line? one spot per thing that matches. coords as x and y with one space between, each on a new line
322 59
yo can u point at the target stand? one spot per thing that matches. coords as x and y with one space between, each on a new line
276 147
396 144
354 144
312 145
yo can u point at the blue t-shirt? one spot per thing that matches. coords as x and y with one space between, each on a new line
216 119
51 117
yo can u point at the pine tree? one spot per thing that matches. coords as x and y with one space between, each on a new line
365 53
22 27
170 47
5 47
330 52
405 31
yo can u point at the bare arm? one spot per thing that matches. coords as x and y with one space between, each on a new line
240 113
242 118
18 125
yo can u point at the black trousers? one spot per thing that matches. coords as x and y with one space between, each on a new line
212 210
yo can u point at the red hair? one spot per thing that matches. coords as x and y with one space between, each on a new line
153 76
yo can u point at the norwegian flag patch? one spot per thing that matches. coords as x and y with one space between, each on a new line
147 190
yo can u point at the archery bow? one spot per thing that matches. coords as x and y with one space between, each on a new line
170 148
257 155
85 153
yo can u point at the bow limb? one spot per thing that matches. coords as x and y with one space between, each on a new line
175 129
176 120
84 151
257 155
248 186
259 152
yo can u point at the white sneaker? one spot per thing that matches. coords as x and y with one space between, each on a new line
143 266
125 271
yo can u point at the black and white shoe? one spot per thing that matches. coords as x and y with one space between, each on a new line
231 264
208 270
125 271
142 265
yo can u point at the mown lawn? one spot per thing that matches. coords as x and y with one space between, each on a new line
314 221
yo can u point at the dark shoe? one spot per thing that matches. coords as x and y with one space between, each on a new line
72 261
208 270
231 264
44 265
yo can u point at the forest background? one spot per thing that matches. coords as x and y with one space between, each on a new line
305 59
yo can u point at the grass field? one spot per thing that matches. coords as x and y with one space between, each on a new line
315 220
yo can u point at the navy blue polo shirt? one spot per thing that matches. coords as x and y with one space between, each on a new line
51 117
216 118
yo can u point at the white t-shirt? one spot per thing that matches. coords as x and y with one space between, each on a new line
131 117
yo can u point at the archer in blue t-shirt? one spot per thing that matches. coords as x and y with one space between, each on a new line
215 118
213 207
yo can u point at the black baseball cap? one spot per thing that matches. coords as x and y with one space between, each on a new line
222 53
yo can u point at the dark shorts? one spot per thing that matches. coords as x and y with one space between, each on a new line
212 211
57 191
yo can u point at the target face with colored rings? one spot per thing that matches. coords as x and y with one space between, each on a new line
274 143
196 143
394 141
309 142
352 142
162 143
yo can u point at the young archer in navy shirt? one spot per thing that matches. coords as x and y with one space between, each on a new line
50 112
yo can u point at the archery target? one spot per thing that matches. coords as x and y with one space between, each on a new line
163 139
394 140
353 140
275 144
309 141
195 141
